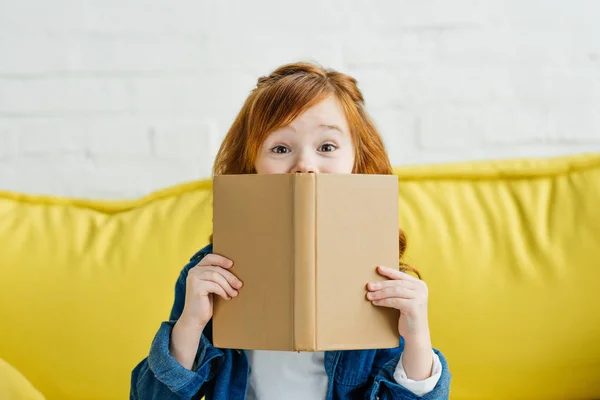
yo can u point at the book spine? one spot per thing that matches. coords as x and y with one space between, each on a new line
305 316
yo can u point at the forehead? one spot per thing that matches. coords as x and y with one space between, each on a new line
327 112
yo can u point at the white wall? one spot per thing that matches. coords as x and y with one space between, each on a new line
117 98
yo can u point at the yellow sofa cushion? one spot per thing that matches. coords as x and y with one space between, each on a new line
510 250
14 386
511 253
84 285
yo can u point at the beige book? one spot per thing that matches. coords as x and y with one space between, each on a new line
305 246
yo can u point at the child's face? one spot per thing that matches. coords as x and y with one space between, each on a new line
316 141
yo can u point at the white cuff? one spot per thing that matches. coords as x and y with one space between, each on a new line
423 387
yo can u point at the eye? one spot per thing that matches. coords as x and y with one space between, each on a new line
327 147
280 149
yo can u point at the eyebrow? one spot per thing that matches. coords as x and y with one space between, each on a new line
334 127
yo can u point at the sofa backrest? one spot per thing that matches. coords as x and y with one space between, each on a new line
510 251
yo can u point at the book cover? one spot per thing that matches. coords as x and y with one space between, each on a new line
305 246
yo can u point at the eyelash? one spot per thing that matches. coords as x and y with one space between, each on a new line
274 149
329 144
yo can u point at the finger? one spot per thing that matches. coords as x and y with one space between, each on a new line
211 275
395 274
397 292
372 286
212 287
231 278
392 302
217 260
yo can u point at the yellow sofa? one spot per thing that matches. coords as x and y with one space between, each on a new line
510 250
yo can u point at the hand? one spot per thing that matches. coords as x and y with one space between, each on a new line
407 294
210 276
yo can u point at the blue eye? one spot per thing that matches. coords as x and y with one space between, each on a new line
327 147
280 149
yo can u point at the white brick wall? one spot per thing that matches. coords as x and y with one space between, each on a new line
117 98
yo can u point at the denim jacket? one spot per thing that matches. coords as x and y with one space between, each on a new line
223 373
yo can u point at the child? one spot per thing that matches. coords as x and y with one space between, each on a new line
301 118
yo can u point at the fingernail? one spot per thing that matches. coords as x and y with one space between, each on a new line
235 292
369 295
238 284
373 285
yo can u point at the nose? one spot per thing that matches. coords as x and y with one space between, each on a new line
304 164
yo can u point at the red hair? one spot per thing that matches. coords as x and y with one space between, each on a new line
282 96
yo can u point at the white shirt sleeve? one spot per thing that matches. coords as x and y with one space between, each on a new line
423 387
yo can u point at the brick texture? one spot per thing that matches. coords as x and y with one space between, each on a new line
116 99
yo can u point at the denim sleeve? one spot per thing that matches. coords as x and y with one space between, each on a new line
386 387
160 376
